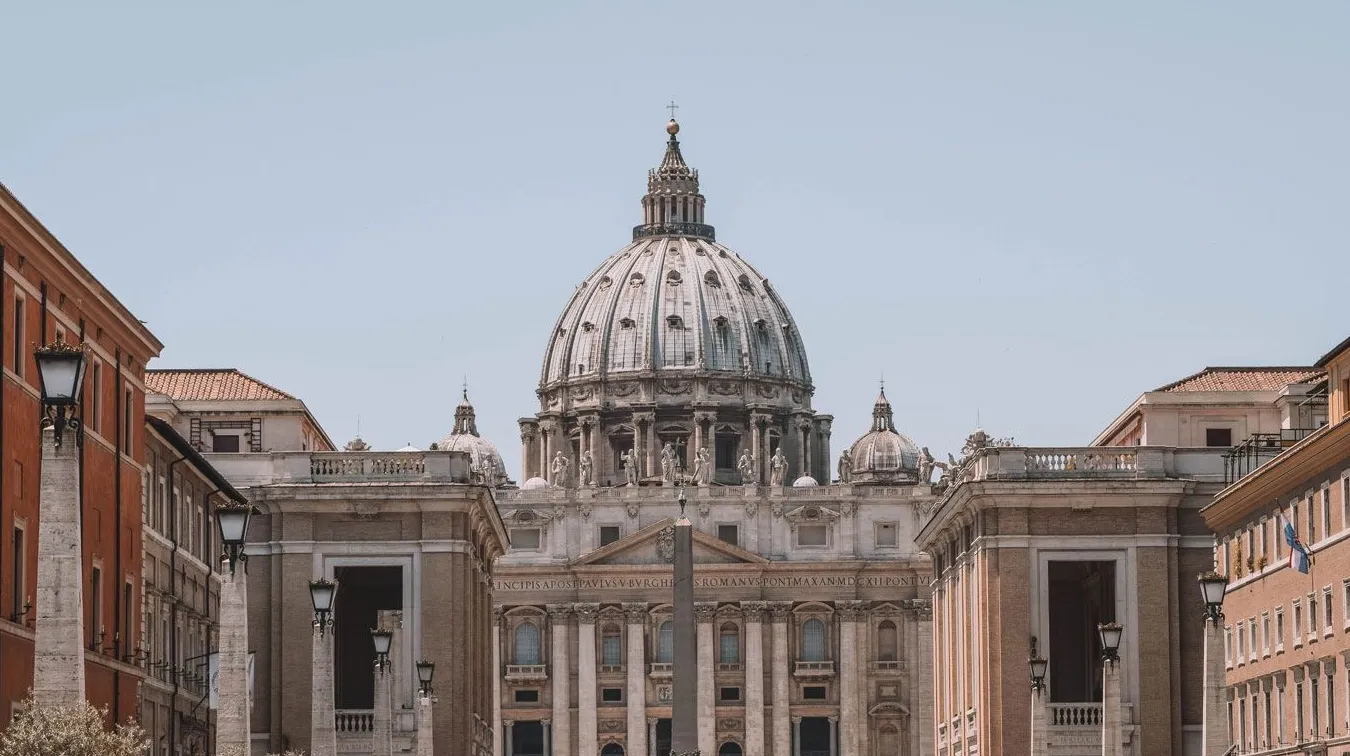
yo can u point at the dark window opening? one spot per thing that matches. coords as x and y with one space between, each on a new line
730 534
609 534
362 593
527 696
225 443
730 694
813 693
611 695
726 452
1081 596
1218 436
527 739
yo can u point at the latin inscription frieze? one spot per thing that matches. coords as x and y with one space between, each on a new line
705 581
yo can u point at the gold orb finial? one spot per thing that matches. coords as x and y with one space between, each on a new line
673 127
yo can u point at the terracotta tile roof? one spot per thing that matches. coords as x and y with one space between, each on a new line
1243 379
205 385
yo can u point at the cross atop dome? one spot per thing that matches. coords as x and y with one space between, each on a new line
673 205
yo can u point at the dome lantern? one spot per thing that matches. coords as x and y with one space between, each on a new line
673 205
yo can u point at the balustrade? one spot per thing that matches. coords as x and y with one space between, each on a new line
814 669
354 720
1055 461
1075 715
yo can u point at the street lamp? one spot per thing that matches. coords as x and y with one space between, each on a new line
425 670
383 639
60 378
1110 634
1212 588
1038 667
232 521
321 594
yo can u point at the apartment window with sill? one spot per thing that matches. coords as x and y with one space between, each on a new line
1279 629
1251 634
886 535
1326 511
1242 643
1298 624
1345 604
1265 634
1345 494
609 534
1228 646
1312 617
1326 610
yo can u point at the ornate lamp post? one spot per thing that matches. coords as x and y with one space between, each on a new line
425 698
1216 738
1038 666
232 717
381 731
58 650
322 724
383 640
1110 635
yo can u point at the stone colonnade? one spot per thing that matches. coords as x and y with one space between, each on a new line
772 713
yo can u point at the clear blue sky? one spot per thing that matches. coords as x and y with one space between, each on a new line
1033 211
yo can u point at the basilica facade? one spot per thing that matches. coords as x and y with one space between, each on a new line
676 380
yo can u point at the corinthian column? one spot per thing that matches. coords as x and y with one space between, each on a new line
849 717
587 737
58 647
704 613
782 724
636 614
754 676
560 673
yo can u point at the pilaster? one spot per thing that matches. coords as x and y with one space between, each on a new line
754 676
704 614
587 735
560 673
783 729
636 615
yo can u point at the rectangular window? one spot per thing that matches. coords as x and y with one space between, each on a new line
729 694
1312 521
1326 610
1326 511
1279 714
127 426
1331 705
1268 734
1345 493
812 535
1218 437
729 534
1228 646
1298 712
18 328
1345 603
1251 634
1265 634
725 454
611 649
527 696
224 442
609 534
19 574
611 695
124 645
1242 643
95 608
813 693
886 535
1312 617
1316 708
525 538
1298 623
1279 629
96 397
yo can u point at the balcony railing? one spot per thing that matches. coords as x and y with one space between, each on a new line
363 720
661 670
1075 715
1259 449
888 667
526 672
814 669
611 668
728 666
700 230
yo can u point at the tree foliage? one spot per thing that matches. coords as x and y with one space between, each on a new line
69 729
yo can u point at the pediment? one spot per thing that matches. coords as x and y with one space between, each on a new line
655 544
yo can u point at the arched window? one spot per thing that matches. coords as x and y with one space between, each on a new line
813 640
611 646
665 643
887 641
729 749
731 644
612 749
527 643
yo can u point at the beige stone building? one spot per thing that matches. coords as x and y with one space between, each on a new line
676 360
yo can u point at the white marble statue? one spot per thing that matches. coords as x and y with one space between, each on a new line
630 472
586 467
702 467
488 470
926 463
777 467
845 467
746 465
558 471
668 464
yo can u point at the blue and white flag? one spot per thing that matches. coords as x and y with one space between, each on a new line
1299 558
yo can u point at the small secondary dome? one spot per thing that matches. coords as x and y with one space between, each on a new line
465 438
534 484
806 481
884 455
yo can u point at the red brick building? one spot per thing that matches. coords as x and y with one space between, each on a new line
49 296
1287 633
